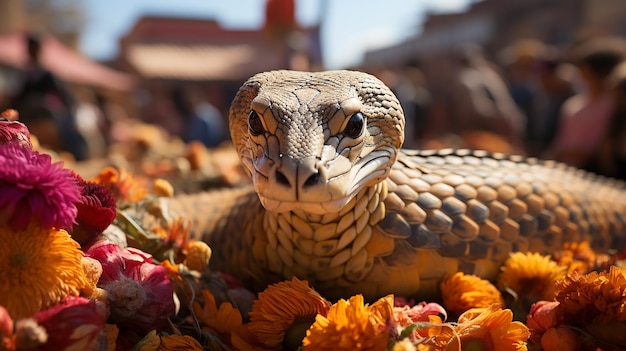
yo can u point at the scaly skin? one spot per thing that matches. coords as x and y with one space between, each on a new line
341 205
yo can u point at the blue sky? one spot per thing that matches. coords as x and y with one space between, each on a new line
349 27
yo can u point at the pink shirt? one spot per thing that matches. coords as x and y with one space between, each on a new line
583 125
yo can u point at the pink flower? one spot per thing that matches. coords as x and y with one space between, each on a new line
6 329
76 323
140 293
32 187
407 315
542 316
97 209
14 132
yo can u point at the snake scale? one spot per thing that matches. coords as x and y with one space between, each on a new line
335 200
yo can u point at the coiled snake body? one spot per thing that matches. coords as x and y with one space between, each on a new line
335 201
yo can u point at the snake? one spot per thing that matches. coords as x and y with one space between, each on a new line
336 201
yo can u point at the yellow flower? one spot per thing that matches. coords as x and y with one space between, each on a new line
282 305
161 187
220 322
487 329
461 292
351 325
38 268
198 255
531 276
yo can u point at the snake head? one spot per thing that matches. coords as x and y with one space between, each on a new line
312 141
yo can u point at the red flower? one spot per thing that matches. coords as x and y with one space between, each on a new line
14 132
34 188
140 293
76 323
97 209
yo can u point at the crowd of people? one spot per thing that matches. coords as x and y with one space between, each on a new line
565 103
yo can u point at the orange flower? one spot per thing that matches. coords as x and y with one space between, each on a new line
220 322
198 255
461 292
281 308
352 325
594 297
39 267
179 343
531 276
490 328
126 188
579 256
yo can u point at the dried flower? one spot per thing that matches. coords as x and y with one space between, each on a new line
220 321
76 323
96 211
351 325
198 256
531 276
34 188
123 184
179 343
461 292
489 328
14 132
560 339
38 268
6 330
542 317
141 294
161 187
281 305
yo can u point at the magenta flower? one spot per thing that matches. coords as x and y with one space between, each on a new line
97 209
14 132
76 323
34 188
140 294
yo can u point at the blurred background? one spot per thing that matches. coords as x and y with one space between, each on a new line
146 81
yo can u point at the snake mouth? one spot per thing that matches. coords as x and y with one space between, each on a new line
320 207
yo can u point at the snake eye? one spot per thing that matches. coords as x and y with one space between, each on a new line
254 123
354 128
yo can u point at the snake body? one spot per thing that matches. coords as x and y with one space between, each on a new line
334 200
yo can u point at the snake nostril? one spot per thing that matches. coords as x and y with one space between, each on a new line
281 179
312 180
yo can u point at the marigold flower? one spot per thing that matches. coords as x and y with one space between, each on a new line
96 211
34 188
490 328
531 276
220 322
75 323
460 292
122 183
38 268
179 343
280 305
14 132
595 301
352 325
578 256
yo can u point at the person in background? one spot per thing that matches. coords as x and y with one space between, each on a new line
43 97
481 99
201 121
585 117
